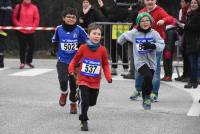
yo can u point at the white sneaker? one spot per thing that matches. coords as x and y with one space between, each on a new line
125 72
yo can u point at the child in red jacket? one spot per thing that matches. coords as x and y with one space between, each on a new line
92 58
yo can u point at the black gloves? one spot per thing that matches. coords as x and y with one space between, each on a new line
148 45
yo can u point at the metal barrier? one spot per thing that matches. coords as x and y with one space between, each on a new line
111 31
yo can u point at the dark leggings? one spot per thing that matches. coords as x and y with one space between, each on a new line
64 78
88 97
147 73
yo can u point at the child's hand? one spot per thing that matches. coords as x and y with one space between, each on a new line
110 81
71 73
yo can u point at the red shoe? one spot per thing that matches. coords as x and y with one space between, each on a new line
163 79
73 108
166 78
21 66
30 65
63 99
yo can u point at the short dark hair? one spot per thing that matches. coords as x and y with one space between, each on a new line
70 10
94 26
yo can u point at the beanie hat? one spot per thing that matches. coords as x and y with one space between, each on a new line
141 15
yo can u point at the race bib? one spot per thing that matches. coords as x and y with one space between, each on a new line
90 68
139 42
69 46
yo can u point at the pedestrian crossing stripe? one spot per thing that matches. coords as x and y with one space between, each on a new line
3 68
32 72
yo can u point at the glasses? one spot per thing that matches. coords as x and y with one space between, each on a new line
143 21
70 16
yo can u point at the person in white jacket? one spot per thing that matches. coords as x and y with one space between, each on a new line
146 41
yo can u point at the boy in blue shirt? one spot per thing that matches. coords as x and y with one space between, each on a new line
67 38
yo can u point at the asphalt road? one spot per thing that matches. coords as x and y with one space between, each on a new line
29 105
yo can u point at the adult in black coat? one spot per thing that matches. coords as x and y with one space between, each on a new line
88 14
118 12
191 41
5 17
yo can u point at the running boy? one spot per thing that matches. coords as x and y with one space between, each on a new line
67 37
93 58
146 41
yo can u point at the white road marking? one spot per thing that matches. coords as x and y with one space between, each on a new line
195 93
32 72
3 68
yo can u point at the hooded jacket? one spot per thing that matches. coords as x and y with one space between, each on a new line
28 16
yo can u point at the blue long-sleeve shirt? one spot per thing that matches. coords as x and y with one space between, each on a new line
68 42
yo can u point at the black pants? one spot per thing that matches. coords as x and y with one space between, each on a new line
147 73
26 41
118 50
186 64
88 97
2 46
64 78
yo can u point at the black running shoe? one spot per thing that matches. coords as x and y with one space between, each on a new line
84 126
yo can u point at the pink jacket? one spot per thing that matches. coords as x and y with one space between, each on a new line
29 17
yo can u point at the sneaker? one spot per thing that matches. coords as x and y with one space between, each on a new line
21 66
166 78
125 72
63 99
30 65
154 97
135 95
84 126
73 108
180 78
185 79
113 71
147 103
129 76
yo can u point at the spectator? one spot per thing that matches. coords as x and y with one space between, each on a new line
191 40
171 38
5 16
88 14
182 18
26 14
116 13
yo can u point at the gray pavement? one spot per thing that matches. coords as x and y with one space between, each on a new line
29 105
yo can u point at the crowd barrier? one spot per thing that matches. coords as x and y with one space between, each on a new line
111 31
27 28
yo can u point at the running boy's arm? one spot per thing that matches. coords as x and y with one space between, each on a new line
55 38
55 41
105 66
127 36
159 42
75 61
82 37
